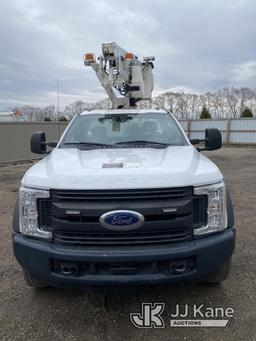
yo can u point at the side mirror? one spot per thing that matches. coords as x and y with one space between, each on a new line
38 143
213 139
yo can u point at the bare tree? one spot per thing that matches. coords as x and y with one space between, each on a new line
227 102
218 101
193 105
232 99
182 106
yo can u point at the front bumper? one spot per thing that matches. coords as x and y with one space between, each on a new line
125 265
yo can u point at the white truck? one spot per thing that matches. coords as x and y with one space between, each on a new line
124 197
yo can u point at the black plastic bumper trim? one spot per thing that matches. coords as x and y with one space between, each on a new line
210 253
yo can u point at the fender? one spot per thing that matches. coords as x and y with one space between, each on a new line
230 211
15 220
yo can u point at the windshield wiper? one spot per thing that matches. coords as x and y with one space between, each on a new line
144 142
132 142
89 144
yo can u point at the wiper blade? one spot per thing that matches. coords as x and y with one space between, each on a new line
143 142
92 144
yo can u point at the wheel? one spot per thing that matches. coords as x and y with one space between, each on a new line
221 274
33 281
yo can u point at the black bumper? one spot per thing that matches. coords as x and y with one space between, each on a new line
125 265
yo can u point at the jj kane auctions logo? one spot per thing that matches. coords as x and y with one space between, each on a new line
202 316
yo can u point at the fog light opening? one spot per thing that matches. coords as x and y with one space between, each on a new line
69 269
65 268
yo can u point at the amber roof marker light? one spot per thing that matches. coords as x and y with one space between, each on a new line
128 56
89 58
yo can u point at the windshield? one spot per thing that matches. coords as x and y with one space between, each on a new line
124 129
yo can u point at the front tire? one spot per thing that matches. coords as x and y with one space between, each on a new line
34 281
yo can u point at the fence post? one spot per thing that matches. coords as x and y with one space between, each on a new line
189 128
228 131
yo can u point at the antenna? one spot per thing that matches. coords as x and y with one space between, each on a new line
58 108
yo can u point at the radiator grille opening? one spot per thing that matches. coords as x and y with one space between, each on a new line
75 238
100 196
91 237
45 214
199 211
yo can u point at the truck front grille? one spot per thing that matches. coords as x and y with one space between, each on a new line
99 196
158 227
82 238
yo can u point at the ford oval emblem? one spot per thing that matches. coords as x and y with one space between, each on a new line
121 220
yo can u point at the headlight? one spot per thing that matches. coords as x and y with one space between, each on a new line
216 211
28 212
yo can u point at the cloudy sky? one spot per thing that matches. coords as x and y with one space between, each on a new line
199 45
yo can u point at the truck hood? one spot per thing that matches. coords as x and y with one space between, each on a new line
122 168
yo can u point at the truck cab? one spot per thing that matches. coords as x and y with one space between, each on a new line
124 197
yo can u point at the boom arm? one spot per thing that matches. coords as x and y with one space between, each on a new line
125 79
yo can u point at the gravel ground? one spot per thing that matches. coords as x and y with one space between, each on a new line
98 313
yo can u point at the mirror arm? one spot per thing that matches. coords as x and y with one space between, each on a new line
201 149
197 141
52 144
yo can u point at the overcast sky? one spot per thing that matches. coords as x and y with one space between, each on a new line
198 44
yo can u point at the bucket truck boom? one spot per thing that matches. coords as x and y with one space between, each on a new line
124 77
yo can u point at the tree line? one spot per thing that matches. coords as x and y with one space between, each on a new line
228 102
